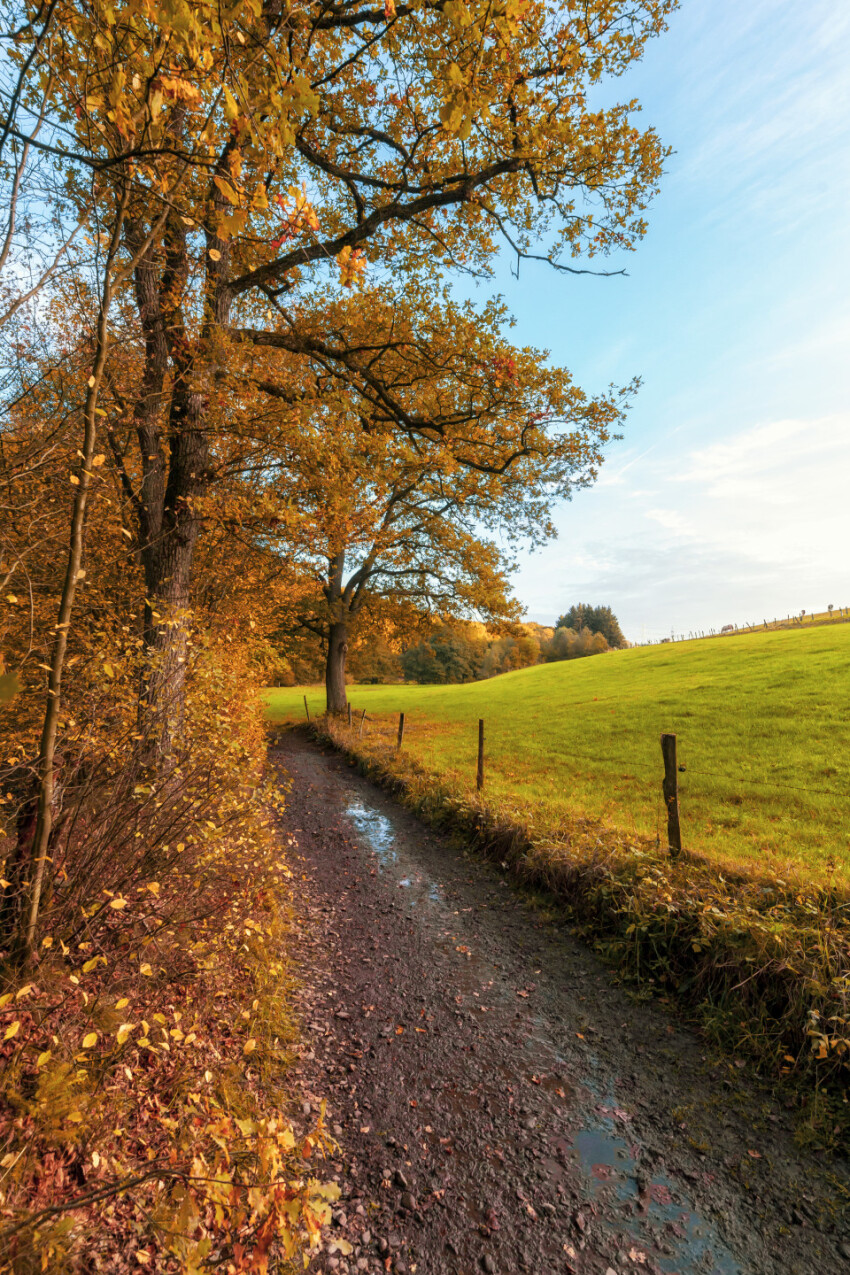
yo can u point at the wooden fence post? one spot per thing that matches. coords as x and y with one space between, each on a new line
400 730
671 793
362 720
306 710
349 712
479 780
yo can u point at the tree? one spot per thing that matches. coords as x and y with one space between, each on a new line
272 155
380 518
600 619
567 644
447 656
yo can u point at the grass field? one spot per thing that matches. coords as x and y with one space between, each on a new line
763 727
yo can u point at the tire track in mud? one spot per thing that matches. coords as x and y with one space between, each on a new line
500 1103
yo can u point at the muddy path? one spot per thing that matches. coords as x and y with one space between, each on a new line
501 1104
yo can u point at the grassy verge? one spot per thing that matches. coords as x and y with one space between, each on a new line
761 725
762 964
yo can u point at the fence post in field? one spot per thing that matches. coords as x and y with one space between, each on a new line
362 720
307 710
479 779
400 730
349 714
671 793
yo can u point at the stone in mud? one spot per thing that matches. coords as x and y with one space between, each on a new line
401 1180
488 1263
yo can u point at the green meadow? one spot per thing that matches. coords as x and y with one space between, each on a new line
763 726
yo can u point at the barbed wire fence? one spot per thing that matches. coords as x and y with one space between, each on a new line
663 783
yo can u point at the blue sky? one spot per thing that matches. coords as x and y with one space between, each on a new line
729 498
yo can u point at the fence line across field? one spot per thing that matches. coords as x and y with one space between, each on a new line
629 763
672 768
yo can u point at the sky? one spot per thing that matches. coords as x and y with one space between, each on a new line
728 500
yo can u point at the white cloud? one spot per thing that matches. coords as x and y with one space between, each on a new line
754 525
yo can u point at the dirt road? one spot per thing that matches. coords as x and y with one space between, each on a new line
501 1104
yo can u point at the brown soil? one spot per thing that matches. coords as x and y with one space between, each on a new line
501 1104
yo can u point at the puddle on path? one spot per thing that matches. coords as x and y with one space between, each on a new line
378 834
654 1212
376 829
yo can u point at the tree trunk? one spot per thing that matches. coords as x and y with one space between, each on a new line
335 670
168 580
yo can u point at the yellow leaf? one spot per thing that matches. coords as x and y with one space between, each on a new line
23 991
90 1040
5 998
227 190
12 1030
249 1046
146 970
98 460
118 904
43 1059
75 482
91 382
214 254
123 1032
153 886
122 1004
110 672
75 1117
231 106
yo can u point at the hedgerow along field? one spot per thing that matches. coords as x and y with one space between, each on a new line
763 726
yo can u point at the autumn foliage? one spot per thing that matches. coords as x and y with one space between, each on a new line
242 400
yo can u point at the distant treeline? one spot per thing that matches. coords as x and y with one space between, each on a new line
449 656
469 653
458 652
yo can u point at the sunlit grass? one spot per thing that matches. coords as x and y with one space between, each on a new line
763 725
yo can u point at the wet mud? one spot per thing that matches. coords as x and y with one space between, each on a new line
501 1104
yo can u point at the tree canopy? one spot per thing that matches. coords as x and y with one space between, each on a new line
596 619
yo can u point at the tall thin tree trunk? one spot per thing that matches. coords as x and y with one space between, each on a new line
25 940
335 668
